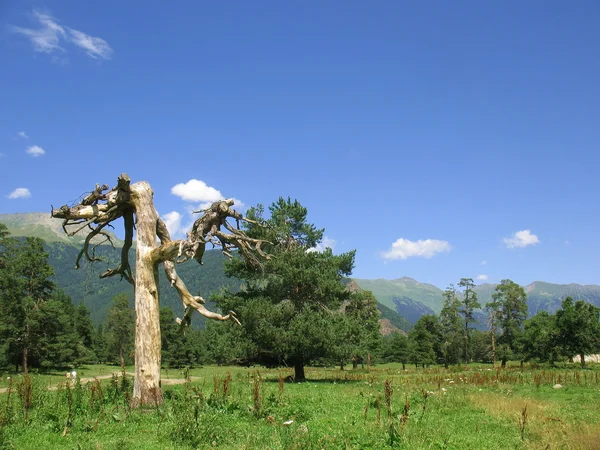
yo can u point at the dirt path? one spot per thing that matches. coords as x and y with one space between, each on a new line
164 381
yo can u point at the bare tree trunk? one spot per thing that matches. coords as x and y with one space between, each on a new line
146 385
121 358
25 353
299 371
582 359
99 209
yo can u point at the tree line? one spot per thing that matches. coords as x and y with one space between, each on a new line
294 311
448 339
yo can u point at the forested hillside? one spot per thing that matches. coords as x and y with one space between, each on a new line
84 285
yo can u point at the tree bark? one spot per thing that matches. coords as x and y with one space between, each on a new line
299 372
146 385
582 359
503 365
25 353
98 209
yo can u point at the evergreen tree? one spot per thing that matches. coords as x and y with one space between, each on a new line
176 348
451 327
469 304
426 338
287 307
363 322
100 344
120 327
397 348
28 287
508 310
10 303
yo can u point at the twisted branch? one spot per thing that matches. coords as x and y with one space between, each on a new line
102 206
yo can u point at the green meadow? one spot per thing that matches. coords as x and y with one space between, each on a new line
474 407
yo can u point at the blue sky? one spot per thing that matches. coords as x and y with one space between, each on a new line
439 139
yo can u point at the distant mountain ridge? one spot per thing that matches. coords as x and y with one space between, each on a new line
402 300
47 228
412 299
84 285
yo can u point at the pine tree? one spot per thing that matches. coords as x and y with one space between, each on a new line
288 306
508 311
120 326
469 304
451 327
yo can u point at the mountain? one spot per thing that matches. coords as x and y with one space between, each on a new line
85 286
43 226
412 299
405 295
401 301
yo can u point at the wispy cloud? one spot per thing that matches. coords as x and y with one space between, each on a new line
2 155
321 246
23 135
19 193
50 36
427 248
521 239
95 47
482 277
35 151
483 263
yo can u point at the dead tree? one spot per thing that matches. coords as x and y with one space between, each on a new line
134 203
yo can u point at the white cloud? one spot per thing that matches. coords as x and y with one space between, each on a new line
95 47
173 222
321 246
19 193
483 263
198 191
521 239
35 150
482 277
403 248
23 134
47 38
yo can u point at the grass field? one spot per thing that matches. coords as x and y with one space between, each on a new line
252 408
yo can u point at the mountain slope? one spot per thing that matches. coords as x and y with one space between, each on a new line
45 227
84 285
406 296
400 299
412 299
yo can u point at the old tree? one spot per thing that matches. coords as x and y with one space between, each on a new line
134 203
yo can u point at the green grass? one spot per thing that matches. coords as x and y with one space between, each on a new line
433 408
